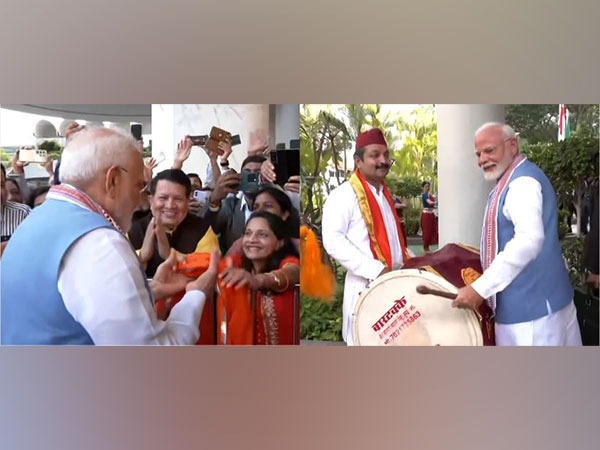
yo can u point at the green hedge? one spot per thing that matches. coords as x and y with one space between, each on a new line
323 321
572 248
412 221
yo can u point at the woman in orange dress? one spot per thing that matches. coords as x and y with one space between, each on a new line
268 269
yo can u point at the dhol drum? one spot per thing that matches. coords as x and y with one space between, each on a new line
391 311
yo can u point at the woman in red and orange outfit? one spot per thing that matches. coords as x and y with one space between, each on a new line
269 266
429 224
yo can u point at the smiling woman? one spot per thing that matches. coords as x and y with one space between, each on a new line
269 268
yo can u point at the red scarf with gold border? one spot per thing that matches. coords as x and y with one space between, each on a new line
369 208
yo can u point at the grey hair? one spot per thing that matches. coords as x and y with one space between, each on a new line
93 150
507 130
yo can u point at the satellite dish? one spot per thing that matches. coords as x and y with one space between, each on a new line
62 128
44 129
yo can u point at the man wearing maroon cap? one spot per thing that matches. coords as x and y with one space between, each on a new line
360 227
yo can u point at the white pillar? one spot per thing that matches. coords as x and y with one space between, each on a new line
285 122
462 189
170 123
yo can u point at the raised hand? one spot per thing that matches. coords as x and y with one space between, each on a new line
267 171
293 184
167 282
258 143
184 149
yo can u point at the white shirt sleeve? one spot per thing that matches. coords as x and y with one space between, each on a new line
210 176
523 207
337 221
103 288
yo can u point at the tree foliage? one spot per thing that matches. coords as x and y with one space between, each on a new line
406 187
5 158
539 123
52 148
327 134
570 165
418 155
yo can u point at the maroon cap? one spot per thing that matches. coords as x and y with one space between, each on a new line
372 136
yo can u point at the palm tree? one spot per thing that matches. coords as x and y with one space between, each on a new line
418 155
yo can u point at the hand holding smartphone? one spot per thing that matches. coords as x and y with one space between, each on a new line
32 155
201 196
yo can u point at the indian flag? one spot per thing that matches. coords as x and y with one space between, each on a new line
564 127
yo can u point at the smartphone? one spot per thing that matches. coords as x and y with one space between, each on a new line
287 164
201 196
249 182
199 140
136 131
33 155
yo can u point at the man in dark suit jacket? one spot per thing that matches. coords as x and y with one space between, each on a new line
234 206
169 225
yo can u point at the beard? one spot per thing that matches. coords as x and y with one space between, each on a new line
497 170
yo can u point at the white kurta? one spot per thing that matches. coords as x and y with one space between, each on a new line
346 239
103 288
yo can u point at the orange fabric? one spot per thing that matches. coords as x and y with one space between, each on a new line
317 279
236 304
381 238
195 265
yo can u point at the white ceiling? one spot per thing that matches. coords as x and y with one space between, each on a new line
97 113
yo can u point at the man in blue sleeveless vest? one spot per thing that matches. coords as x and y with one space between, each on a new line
70 276
525 278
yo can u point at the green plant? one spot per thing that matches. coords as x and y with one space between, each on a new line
412 221
572 248
52 148
323 321
563 226
406 186
570 167
5 157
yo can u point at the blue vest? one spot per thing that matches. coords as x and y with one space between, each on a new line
33 311
543 287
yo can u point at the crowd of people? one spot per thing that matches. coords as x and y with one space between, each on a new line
109 220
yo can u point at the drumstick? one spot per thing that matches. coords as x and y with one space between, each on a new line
421 289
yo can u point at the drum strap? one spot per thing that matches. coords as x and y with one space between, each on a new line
373 217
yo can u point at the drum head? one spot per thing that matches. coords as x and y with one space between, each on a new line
391 312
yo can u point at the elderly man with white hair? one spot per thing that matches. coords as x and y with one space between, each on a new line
525 279
70 276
